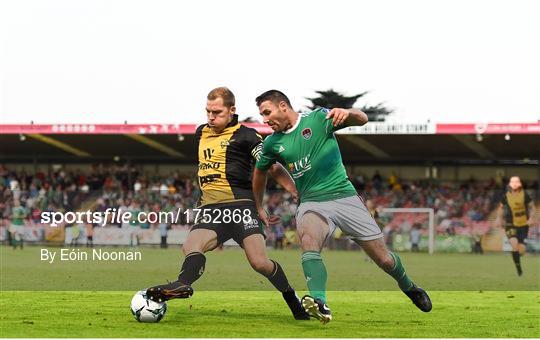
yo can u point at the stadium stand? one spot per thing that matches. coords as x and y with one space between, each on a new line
457 169
461 208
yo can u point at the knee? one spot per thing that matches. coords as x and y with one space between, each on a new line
185 249
309 243
262 265
385 262
513 243
190 248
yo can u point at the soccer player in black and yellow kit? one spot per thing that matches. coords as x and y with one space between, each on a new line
517 212
227 152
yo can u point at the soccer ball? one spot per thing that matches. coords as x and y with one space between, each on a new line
146 310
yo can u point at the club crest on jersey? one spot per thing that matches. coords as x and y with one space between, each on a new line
306 133
226 143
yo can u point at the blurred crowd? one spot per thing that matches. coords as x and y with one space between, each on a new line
460 208
102 187
40 191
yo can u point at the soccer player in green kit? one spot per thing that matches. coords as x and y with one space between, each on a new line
16 230
305 144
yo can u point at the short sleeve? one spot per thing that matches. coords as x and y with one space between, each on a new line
198 131
267 157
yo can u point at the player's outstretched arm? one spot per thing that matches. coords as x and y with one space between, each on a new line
347 117
283 178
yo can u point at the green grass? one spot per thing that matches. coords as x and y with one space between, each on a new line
229 270
262 314
473 296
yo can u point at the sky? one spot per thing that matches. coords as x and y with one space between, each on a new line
154 61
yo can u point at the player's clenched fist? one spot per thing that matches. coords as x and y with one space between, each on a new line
338 116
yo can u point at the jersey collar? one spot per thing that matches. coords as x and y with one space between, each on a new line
234 120
294 126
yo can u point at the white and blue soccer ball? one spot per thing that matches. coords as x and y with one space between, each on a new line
146 310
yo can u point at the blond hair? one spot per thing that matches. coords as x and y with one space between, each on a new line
223 93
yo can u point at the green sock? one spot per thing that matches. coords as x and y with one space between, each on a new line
398 273
315 273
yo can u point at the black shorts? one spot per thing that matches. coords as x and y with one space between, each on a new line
518 232
236 220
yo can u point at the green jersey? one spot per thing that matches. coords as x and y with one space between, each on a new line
310 152
19 213
134 221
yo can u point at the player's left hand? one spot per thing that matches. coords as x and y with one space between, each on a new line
339 116
295 196
273 219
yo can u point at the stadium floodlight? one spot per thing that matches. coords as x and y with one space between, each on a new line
431 214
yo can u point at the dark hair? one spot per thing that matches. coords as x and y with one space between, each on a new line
223 93
274 96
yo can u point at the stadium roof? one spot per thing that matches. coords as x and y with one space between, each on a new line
375 142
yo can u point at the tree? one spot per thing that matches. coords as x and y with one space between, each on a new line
249 119
331 99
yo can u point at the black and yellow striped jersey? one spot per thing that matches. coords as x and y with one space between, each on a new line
226 161
516 208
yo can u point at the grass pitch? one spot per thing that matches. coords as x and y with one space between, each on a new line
473 296
263 314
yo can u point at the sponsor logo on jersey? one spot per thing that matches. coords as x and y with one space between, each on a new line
208 179
281 149
208 153
306 133
210 165
299 167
